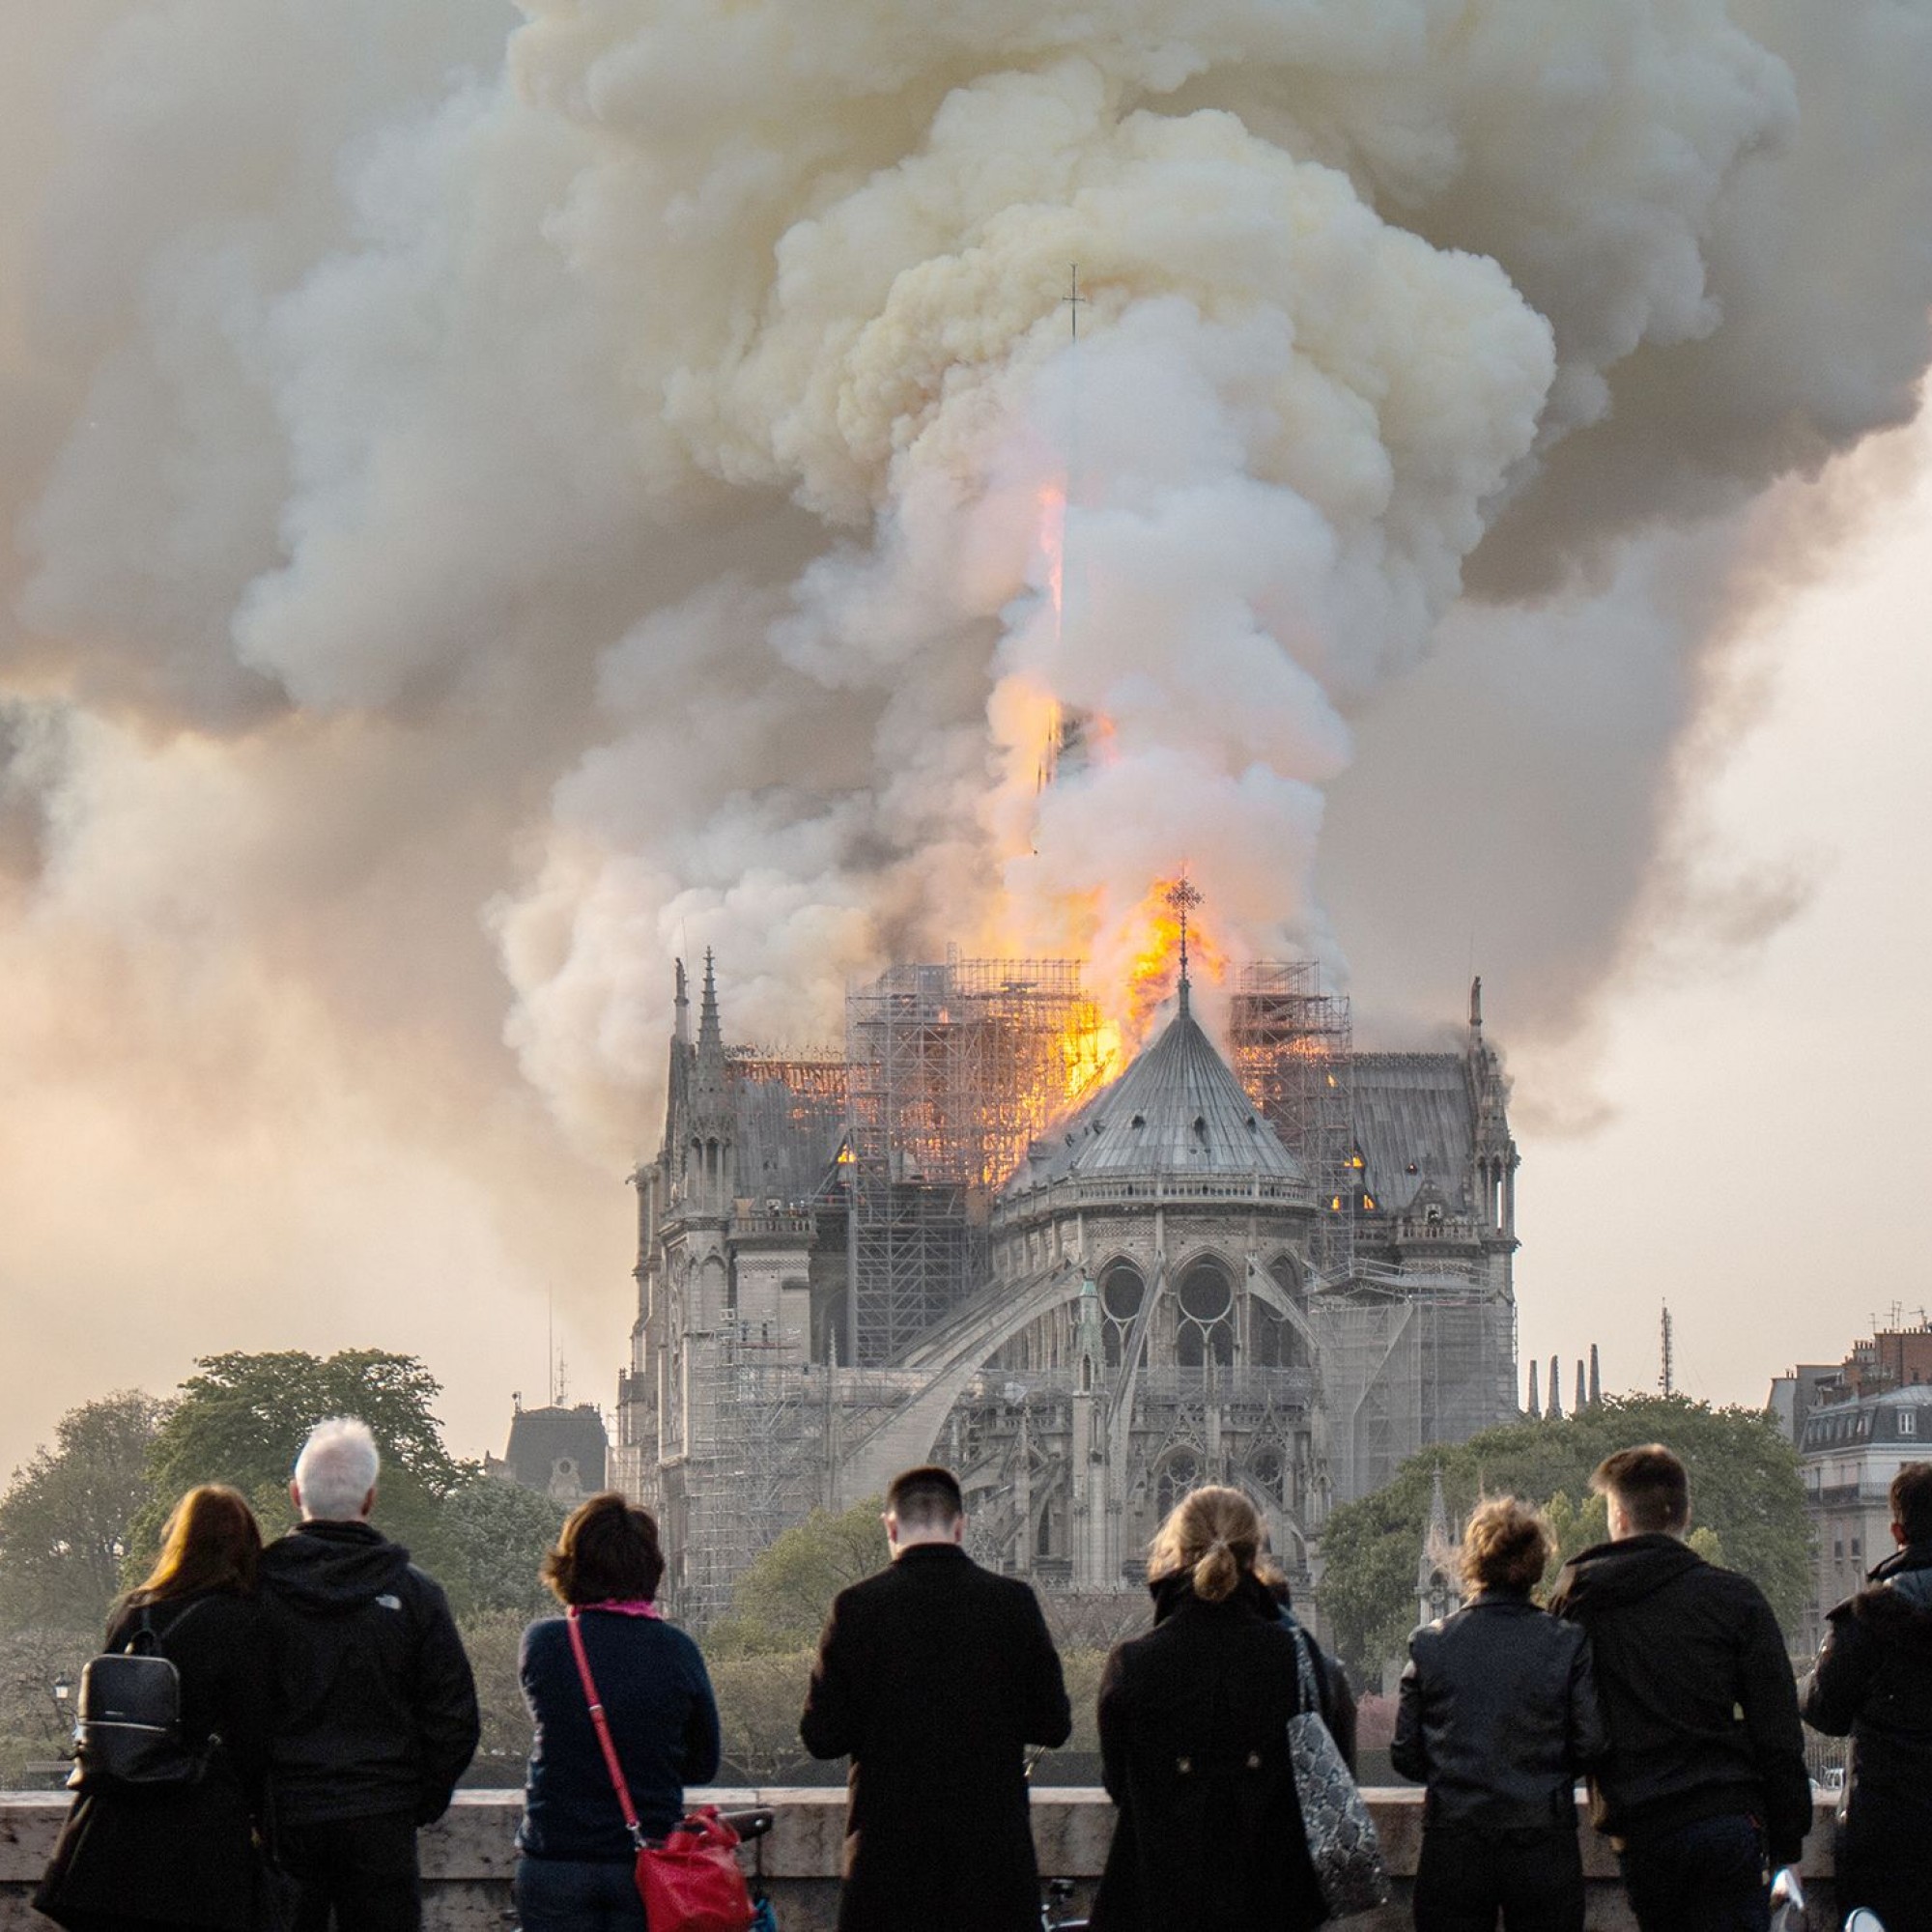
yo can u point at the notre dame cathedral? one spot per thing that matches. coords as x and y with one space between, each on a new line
1285 1265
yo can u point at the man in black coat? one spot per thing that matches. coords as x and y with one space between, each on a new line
379 1713
1873 1682
934 1676
1703 1790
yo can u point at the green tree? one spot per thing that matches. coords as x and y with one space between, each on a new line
759 1699
1745 1501
242 1419
500 1533
494 1640
780 1603
67 1519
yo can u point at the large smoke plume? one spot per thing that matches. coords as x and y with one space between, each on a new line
495 500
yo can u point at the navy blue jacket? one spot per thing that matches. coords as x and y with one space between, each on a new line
663 1718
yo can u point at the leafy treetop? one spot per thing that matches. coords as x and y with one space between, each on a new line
67 1519
780 1603
242 1419
1746 1507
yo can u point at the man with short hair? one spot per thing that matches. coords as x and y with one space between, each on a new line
377 1708
935 1675
1873 1682
1703 1790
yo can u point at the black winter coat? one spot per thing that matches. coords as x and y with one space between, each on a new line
1498 1716
1873 1683
934 1676
1194 1753
179 1855
1697 1691
379 1707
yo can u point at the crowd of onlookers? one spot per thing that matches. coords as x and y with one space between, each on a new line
326 1696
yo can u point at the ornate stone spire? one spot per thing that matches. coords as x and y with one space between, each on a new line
711 1099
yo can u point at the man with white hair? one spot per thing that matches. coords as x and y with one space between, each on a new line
378 1706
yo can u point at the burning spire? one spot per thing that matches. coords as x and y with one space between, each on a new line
1182 899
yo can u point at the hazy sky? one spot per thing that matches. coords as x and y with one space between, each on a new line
492 497
1764 1136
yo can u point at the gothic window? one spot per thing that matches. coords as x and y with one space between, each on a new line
1275 1341
1267 1337
1264 1468
1177 1475
1122 1289
1204 1325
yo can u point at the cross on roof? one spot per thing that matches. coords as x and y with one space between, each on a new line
1077 302
1182 899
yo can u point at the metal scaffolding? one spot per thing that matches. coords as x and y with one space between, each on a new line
1293 1046
764 1435
952 1069
1409 1360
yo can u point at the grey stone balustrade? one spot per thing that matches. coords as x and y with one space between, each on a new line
467 1859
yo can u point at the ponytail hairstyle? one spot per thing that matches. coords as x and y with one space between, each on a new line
1213 1537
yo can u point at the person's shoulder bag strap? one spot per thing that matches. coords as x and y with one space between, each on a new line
146 1629
603 1729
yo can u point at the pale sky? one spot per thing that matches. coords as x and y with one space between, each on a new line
1765 1167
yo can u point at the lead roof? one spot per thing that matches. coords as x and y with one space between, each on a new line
1178 1110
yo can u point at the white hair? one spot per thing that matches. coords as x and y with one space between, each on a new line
336 1469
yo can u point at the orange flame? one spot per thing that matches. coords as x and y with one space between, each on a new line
1154 971
1053 545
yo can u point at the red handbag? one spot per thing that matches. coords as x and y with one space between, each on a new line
690 1881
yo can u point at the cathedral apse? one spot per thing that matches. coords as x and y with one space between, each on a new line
1088 1264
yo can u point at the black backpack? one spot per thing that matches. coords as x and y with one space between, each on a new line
128 1722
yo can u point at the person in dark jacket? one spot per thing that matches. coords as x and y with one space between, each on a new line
378 1707
1497 1715
934 1676
575 1869
138 1858
1873 1683
1703 1790
1194 1740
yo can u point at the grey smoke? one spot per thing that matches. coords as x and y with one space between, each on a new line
493 499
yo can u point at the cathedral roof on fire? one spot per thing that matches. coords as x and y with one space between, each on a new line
1177 1111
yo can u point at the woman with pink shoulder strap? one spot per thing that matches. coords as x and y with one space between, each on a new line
576 1855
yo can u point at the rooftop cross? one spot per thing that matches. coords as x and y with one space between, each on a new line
1077 302
1182 899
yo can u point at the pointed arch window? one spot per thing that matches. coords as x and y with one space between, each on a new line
1204 1316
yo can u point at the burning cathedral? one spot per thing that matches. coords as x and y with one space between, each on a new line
1286 1266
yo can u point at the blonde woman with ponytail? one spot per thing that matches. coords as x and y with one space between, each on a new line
1194 1738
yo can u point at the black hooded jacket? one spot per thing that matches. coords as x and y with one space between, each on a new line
1873 1682
378 1706
1697 1691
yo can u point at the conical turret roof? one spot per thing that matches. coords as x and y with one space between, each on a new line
1178 1111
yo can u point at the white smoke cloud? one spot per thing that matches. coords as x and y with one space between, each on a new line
495 499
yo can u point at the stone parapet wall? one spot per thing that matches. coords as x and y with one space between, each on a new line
467 1859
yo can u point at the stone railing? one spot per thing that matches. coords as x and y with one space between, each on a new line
467 1859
